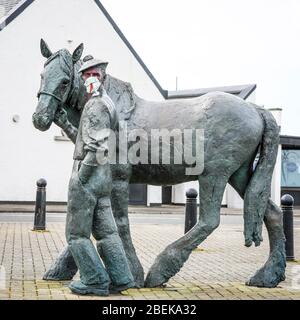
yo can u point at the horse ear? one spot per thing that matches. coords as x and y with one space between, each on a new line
77 53
46 52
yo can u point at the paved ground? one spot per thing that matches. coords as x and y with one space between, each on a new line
163 209
216 270
138 218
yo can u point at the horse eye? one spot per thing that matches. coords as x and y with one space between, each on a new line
65 82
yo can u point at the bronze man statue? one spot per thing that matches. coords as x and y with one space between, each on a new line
89 207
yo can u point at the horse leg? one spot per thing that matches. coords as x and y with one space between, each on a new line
273 270
170 261
64 267
119 200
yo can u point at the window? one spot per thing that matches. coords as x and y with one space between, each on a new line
290 170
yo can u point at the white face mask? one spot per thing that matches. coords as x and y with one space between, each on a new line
92 85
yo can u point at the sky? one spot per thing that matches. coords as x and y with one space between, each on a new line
208 43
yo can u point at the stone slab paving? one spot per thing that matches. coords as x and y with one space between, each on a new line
217 269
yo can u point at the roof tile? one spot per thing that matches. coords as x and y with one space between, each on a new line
6 6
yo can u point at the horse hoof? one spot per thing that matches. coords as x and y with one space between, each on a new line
266 278
159 272
58 275
272 273
165 266
154 279
139 282
138 274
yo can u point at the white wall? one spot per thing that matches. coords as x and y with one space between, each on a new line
233 199
179 190
154 195
28 154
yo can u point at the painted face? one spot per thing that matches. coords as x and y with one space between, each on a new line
92 85
92 80
92 72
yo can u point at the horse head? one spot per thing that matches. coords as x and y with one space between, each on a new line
56 84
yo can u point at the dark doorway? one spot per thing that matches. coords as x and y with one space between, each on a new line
166 196
138 194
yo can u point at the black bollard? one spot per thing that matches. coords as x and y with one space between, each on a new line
190 209
40 206
287 202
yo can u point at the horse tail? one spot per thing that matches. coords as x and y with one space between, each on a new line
259 187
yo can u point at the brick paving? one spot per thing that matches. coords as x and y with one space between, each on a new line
162 209
217 269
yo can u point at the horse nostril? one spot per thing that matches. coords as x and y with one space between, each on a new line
41 122
34 119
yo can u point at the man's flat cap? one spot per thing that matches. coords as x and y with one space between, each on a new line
89 62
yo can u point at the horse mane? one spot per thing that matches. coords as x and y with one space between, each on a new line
65 59
122 95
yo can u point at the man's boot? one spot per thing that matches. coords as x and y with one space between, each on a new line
110 247
93 276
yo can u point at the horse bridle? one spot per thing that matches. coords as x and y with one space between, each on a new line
49 94
60 100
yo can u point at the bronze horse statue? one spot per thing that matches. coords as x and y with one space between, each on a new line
235 131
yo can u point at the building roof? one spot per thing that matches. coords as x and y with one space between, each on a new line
290 142
11 9
242 91
6 6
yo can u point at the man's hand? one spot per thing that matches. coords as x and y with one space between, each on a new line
61 118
